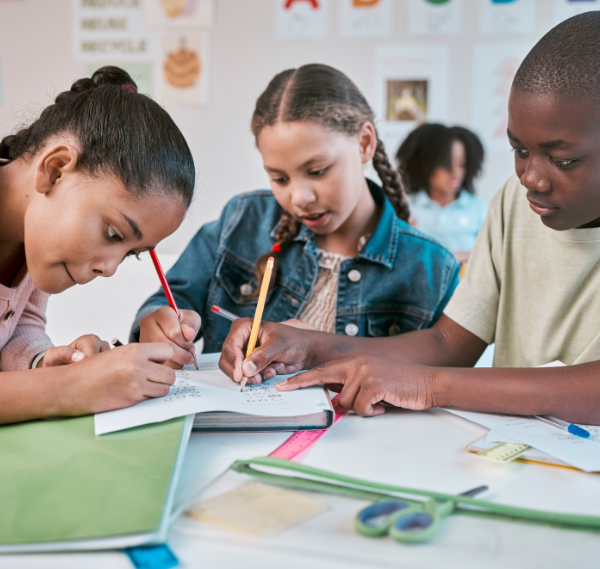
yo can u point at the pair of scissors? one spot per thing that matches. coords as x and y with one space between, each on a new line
404 520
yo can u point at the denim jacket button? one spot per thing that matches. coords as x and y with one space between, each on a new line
354 275
351 329
246 289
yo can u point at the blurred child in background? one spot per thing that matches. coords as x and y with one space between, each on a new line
440 164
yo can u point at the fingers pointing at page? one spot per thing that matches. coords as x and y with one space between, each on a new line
367 381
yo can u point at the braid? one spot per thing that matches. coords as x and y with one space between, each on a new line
118 133
287 230
391 182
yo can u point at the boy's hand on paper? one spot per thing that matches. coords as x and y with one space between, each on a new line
367 381
83 347
117 378
162 325
280 349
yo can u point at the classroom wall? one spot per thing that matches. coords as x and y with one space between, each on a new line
36 62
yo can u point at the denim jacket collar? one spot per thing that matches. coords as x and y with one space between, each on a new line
379 248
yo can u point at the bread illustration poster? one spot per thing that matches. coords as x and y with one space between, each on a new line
184 69
179 13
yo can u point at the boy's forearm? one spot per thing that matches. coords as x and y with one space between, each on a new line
445 344
571 393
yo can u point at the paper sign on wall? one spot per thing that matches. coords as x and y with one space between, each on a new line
365 18
435 17
301 18
184 69
512 17
493 68
564 9
112 31
179 13
411 87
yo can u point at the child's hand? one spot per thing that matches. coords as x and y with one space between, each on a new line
83 347
162 325
281 349
369 380
116 378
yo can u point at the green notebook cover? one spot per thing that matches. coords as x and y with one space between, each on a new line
61 482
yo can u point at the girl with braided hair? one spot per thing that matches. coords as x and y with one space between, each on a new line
102 174
346 260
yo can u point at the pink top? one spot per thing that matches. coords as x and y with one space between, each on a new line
22 323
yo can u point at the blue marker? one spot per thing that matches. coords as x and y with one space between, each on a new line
564 426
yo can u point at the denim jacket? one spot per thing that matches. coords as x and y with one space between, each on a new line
400 281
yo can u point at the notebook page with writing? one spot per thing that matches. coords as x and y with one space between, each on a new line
209 389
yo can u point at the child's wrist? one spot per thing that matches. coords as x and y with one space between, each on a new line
440 387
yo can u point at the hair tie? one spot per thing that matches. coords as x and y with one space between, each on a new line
276 248
130 88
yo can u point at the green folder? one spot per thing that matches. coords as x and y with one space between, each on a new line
64 488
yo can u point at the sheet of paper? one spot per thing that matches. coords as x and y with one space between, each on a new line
581 453
257 509
209 389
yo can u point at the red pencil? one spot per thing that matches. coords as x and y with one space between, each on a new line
167 289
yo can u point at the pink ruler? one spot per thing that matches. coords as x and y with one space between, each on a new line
302 441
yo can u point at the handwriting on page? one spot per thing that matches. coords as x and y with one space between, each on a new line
182 389
262 395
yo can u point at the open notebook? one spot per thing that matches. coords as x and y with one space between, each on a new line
220 406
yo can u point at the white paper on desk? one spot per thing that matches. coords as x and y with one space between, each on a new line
209 389
580 453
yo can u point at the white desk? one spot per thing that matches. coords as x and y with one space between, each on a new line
414 449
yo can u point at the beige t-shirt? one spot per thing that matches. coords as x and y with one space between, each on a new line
533 291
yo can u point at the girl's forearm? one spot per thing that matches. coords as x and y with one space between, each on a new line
570 393
32 394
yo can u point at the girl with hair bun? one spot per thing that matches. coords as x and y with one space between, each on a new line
102 174
347 262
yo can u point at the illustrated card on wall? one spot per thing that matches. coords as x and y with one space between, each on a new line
493 68
112 31
301 18
564 9
179 13
507 17
184 69
411 87
435 17
365 18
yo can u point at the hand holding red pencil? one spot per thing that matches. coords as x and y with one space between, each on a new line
172 326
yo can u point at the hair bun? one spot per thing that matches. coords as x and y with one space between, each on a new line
108 75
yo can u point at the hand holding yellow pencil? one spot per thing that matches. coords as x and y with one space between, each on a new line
262 297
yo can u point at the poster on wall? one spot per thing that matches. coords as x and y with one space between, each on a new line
365 18
564 9
493 69
183 76
435 17
111 31
297 19
179 13
411 87
507 17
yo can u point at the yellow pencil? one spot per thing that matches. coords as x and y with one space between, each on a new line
260 306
